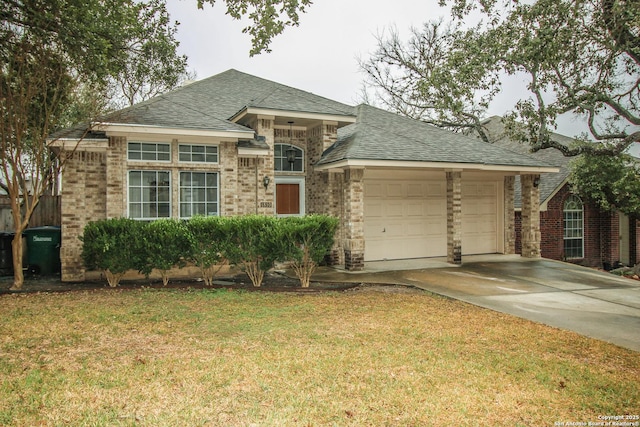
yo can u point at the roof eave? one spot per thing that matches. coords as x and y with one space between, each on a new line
361 163
339 118
121 129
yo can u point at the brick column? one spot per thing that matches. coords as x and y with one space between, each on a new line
117 177
353 243
334 192
265 126
454 217
530 216
509 215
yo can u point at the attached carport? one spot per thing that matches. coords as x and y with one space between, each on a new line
411 190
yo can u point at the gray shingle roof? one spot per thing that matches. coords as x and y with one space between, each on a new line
381 135
549 182
209 103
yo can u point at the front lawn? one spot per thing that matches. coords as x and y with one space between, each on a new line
235 358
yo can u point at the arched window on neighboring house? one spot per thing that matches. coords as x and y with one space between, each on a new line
573 225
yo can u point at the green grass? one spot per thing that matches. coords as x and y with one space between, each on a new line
209 358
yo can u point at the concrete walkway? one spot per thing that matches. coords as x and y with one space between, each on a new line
592 303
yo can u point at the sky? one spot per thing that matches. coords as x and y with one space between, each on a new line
321 54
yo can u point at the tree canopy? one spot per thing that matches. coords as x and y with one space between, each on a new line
269 18
579 57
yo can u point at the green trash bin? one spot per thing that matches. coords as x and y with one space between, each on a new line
43 249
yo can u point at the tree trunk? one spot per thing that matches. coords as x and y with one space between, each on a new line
16 249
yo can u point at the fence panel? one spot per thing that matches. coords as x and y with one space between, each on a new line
48 212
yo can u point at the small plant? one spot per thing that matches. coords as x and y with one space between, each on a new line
113 246
306 241
208 242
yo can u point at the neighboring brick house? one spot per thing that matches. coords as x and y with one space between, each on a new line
236 144
572 229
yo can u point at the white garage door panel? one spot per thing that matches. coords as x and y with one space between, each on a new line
405 219
479 218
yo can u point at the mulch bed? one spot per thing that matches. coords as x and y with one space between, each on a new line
273 282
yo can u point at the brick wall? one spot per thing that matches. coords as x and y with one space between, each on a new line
84 199
601 233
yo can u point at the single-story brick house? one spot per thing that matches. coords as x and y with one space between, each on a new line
236 144
572 229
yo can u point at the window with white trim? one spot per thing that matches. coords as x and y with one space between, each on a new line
198 194
573 226
149 151
149 194
281 161
198 153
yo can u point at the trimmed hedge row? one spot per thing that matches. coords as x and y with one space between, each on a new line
254 243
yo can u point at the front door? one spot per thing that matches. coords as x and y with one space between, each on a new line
288 199
289 196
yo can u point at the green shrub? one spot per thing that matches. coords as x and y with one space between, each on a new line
165 244
306 241
255 243
114 246
209 240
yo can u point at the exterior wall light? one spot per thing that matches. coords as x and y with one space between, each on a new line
265 181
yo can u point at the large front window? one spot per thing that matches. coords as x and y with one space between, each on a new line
573 225
149 194
198 194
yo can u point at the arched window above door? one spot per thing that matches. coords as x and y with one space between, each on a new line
282 158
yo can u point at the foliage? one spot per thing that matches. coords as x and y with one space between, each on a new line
209 237
613 183
151 65
415 78
114 246
52 52
580 57
165 243
269 18
307 241
255 243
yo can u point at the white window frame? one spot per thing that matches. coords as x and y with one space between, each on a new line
141 201
190 202
142 152
290 180
577 217
205 147
283 157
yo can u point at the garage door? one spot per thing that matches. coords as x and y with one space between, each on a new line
408 218
479 218
404 219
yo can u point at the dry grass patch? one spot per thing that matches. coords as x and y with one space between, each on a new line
162 358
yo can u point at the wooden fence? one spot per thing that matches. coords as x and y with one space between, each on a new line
47 213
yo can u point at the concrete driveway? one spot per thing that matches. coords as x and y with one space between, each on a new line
592 303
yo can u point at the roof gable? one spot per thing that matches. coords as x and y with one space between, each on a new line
210 103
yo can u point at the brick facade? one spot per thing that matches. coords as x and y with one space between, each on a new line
601 234
95 186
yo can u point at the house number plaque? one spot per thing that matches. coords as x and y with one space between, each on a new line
266 204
